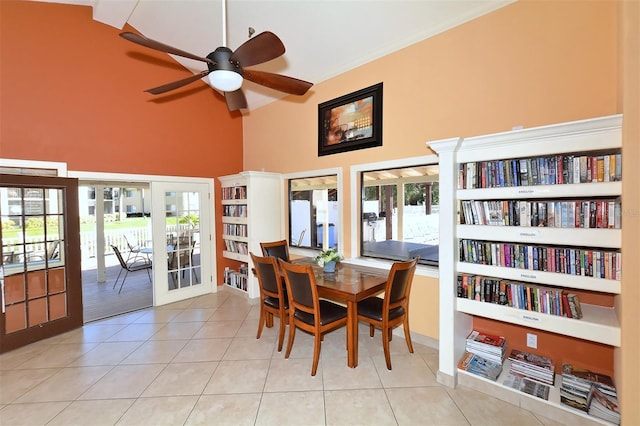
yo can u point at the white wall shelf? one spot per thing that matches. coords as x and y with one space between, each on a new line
263 192
599 136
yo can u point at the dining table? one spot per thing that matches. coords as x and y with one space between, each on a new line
348 284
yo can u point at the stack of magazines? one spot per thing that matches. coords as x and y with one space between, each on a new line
479 366
591 392
488 346
534 367
523 384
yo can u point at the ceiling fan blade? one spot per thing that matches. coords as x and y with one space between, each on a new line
279 82
176 84
235 100
258 49
156 45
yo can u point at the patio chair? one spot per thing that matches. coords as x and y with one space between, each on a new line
138 263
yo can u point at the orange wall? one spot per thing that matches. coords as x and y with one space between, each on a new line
72 91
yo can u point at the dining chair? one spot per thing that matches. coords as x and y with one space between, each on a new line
393 309
279 249
273 299
307 311
138 263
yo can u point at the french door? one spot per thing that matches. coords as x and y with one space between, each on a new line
40 277
182 245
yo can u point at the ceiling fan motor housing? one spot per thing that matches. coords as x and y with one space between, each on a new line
222 58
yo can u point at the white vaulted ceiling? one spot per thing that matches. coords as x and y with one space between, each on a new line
323 38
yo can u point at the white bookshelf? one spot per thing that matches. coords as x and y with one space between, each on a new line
599 136
258 195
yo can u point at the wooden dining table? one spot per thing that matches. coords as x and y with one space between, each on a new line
349 284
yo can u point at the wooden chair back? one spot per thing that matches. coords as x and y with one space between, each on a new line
278 249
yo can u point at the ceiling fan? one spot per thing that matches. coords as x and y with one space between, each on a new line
226 67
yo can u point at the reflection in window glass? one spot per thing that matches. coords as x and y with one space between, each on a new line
313 212
400 213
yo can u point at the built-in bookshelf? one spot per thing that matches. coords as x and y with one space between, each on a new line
251 213
534 215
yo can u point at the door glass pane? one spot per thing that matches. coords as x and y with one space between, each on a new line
182 212
32 244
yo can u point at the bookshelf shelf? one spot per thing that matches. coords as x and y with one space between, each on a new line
251 213
462 188
605 238
600 189
599 324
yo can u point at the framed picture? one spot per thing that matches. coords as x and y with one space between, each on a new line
351 122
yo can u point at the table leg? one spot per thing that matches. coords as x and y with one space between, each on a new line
352 334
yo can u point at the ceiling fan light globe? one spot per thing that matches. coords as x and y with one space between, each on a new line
225 80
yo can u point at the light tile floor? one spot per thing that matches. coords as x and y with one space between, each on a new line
198 362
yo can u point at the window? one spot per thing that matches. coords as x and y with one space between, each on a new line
314 219
400 213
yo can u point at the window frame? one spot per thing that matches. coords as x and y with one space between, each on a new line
286 219
356 205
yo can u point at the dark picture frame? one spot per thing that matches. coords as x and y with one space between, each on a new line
351 122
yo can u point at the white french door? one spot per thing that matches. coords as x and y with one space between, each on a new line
183 265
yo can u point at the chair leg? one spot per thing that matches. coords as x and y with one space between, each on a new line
281 332
385 345
390 334
117 278
372 330
122 283
317 341
261 322
292 335
407 334
269 319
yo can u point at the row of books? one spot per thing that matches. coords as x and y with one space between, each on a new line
601 213
234 229
234 193
235 279
519 295
236 247
239 210
572 261
547 170
594 393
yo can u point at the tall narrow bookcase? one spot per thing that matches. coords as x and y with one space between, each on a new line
251 213
496 193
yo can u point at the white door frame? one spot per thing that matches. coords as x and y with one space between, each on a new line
160 278
162 294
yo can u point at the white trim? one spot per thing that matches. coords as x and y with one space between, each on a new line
125 177
34 164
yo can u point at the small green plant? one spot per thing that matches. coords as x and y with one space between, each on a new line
328 255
